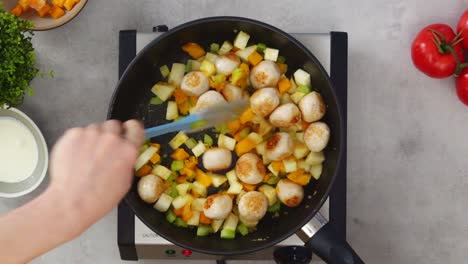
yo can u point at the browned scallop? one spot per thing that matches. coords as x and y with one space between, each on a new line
215 159
252 206
217 206
150 188
195 83
289 193
279 146
250 169
232 93
316 136
265 74
264 101
225 64
285 115
209 99
312 107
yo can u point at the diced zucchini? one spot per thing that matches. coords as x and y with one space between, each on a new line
244 132
163 90
199 149
302 164
275 207
194 65
273 180
247 223
199 188
198 204
297 96
234 188
161 171
170 216
303 89
281 59
272 170
176 75
271 54
222 129
179 222
190 143
177 165
261 148
204 230
214 47
229 227
163 203
231 176
300 150
188 67
245 53
242 229
183 188
236 75
181 200
218 180
226 142
164 71
156 101
315 158
241 40
172 191
269 192
316 171
195 219
290 165
172 111
145 157
208 68
178 140
208 140
261 47
300 136
302 77
225 48
211 57
216 224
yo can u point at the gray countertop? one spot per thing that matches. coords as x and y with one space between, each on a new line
407 146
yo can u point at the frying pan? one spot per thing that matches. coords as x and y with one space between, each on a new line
130 100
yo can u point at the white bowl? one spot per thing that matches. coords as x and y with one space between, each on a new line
26 186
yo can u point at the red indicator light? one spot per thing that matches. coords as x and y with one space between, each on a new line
187 252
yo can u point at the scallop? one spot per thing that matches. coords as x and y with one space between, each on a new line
312 107
264 101
217 206
285 115
226 64
232 93
265 74
250 169
150 188
279 146
209 99
216 159
195 83
252 206
316 136
289 193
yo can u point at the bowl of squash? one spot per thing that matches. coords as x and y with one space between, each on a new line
45 14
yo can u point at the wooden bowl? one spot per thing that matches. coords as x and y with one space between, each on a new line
46 23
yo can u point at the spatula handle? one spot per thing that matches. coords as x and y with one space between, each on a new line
181 125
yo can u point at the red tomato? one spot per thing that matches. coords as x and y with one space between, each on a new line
463 23
462 86
435 60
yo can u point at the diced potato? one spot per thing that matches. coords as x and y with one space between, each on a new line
271 54
225 48
261 148
226 142
145 157
241 40
198 204
234 188
172 111
207 67
300 150
163 203
195 219
231 176
216 225
178 140
211 57
181 200
183 188
199 149
199 188
218 180
270 193
161 171
245 53
297 96
316 171
176 75
163 90
290 165
302 77
315 158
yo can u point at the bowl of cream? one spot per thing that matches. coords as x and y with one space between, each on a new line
24 155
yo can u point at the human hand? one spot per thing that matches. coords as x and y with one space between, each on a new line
91 169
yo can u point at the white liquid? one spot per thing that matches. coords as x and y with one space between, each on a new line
18 151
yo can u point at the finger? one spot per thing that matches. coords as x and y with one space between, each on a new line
134 132
94 126
112 126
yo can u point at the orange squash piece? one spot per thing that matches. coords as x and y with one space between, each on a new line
37 4
187 212
300 177
283 67
44 11
194 50
179 96
234 126
245 145
24 4
181 179
155 158
69 4
17 10
247 116
180 154
58 3
191 163
248 187
143 171
278 166
267 177
255 58
178 212
284 85
56 12
204 219
203 178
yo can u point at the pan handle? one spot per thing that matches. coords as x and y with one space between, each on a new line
319 235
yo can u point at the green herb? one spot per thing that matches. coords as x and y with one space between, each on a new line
261 47
303 89
164 71
177 165
214 47
275 207
156 101
208 140
17 59
281 59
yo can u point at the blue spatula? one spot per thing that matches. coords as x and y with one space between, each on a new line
206 118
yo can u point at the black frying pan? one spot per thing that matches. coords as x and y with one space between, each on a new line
131 99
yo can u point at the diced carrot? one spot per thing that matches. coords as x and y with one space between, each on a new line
284 85
300 177
143 171
37 4
58 3
245 68
69 4
178 212
44 11
234 126
242 83
244 146
248 187
194 50
255 58
17 10
278 166
191 163
180 154
203 178
155 158
204 219
179 96
187 172
181 179
187 212
56 12
267 177
283 68
247 116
